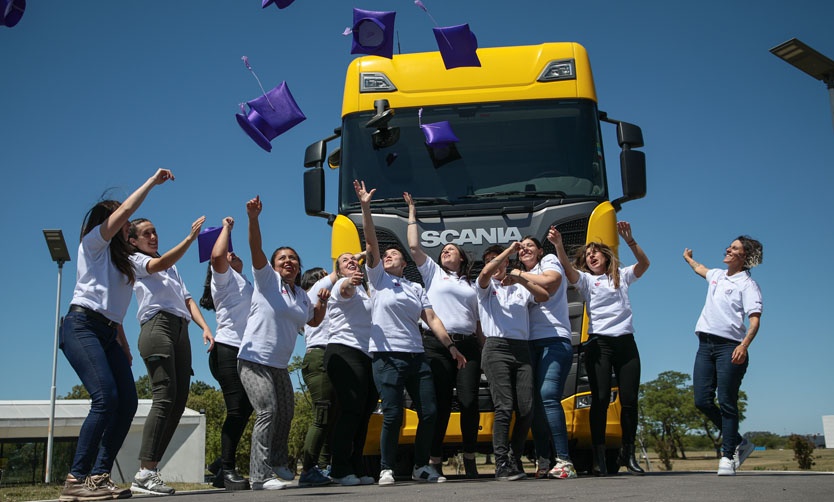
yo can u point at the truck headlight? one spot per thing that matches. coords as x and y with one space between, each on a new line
564 69
375 82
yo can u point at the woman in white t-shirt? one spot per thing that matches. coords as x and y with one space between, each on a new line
94 342
399 361
455 302
229 294
504 300
552 355
723 340
348 362
596 273
165 308
280 309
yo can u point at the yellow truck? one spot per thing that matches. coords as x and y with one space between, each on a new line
529 155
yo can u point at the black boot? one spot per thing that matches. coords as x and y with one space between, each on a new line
233 481
628 460
218 479
470 467
599 468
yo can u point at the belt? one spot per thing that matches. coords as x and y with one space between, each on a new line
94 315
455 337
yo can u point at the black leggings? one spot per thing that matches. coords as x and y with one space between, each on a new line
223 366
446 377
602 354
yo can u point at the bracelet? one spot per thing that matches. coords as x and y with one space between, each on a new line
412 222
631 243
449 347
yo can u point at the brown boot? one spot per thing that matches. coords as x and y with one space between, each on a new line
105 483
76 490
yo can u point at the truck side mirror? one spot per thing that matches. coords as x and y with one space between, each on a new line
314 191
629 135
314 155
633 174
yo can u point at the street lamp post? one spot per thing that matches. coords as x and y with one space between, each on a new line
60 255
810 62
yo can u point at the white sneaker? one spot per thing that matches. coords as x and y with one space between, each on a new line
743 450
349 480
726 467
283 472
269 484
366 480
427 473
386 477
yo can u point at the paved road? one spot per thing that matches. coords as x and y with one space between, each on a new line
758 486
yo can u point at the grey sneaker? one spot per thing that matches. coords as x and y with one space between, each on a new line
152 484
743 450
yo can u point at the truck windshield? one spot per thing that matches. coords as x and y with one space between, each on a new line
520 150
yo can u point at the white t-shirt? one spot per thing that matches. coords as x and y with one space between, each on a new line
397 305
277 315
350 318
609 309
162 291
99 285
317 336
453 298
729 299
232 295
551 318
504 310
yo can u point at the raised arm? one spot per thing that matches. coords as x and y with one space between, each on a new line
555 238
368 227
413 232
492 265
114 223
253 211
624 229
174 254
696 267
220 251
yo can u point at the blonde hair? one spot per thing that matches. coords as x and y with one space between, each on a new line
613 268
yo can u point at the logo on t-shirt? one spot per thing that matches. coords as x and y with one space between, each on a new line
728 291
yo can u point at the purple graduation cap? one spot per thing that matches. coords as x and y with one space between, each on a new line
440 141
270 115
281 4
457 46
373 33
11 11
206 240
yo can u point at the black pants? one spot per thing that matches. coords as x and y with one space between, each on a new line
223 366
508 368
447 377
602 354
352 378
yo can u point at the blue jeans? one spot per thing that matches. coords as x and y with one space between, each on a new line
552 359
394 372
713 371
91 349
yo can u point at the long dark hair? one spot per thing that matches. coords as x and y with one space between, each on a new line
465 262
207 301
310 277
133 234
120 249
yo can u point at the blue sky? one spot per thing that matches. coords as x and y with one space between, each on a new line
95 97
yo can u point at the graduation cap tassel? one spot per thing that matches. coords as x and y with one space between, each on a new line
249 67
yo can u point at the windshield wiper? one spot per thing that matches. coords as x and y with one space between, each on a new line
400 200
516 193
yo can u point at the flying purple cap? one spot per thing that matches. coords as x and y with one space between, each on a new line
440 141
206 240
270 115
281 4
373 33
457 45
11 11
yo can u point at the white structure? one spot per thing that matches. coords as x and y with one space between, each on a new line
184 461
828 430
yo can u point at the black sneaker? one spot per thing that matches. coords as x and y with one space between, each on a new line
507 472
